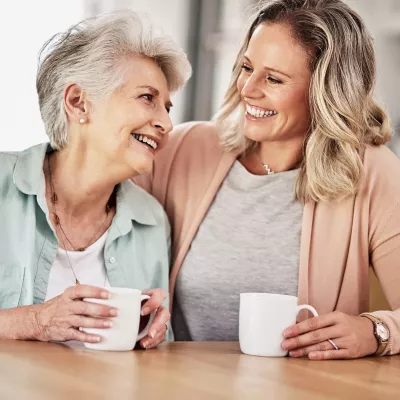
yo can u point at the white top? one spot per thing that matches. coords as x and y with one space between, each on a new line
88 266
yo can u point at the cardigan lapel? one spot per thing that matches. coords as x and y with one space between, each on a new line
326 238
222 170
305 248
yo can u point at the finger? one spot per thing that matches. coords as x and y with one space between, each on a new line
157 296
79 321
311 324
323 346
83 336
93 310
329 355
82 291
149 343
313 337
158 324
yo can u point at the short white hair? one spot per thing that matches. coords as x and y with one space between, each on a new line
91 54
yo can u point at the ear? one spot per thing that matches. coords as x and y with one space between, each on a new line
75 103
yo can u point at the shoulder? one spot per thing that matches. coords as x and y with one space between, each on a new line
190 146
192 139
380 191
382 171
142 206
8 160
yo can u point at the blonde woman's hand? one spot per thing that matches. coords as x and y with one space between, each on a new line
158 328
353 335
60 318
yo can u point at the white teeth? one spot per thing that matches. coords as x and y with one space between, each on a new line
255 112
145 139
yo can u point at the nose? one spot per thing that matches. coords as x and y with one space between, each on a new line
163 122
251 88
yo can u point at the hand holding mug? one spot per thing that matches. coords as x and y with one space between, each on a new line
352 335
124 333
60 318
158 328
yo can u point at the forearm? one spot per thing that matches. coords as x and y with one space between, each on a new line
19 323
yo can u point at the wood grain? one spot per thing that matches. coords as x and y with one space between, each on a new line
213 370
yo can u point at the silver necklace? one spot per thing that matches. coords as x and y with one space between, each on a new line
266 166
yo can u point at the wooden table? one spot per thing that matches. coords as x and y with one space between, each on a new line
213 370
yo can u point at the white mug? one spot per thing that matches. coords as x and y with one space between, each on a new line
124 332
262 319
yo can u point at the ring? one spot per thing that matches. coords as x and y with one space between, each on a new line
333 344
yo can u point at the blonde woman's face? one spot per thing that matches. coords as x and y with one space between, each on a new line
274 84
133 125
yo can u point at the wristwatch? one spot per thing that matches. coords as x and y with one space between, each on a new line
381 332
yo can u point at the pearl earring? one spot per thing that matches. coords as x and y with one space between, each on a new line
82 121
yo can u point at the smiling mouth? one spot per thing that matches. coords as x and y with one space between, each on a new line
145 140
259 113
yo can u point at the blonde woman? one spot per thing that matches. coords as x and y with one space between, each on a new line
291 190
72 223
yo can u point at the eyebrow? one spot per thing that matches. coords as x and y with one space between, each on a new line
155 93
271 69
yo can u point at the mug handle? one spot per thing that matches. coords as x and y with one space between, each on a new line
307 307
145 330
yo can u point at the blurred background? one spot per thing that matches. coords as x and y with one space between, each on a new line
208 30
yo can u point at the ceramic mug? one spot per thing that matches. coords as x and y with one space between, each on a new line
262 319
124 332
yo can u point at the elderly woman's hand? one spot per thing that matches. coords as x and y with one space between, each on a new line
60 318
354 336
158 328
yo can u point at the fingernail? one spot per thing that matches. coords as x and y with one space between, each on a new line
107 324
97 339
114 312
152 334
286 332
105 295
145 311
144 345
285 345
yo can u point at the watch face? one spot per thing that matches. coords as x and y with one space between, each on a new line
382 332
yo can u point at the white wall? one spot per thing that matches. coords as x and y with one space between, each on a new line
24 27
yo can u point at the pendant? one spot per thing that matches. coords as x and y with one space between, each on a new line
268 169
77 282
81 249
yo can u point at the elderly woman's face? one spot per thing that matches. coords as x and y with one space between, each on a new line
274 84
133 125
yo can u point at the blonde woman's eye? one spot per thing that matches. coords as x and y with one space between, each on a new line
246 68
273 80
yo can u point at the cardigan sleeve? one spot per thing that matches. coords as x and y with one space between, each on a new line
385 259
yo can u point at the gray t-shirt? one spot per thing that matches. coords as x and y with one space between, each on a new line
249 241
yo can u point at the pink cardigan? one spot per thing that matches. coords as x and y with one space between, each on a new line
339 241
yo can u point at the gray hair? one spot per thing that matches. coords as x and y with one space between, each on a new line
91 54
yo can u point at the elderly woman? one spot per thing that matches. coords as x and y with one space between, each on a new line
71 221
291 190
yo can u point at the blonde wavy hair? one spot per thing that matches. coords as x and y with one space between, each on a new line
344 114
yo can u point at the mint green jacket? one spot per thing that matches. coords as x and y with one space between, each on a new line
136 253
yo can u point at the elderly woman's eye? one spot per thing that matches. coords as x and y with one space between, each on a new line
148 97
